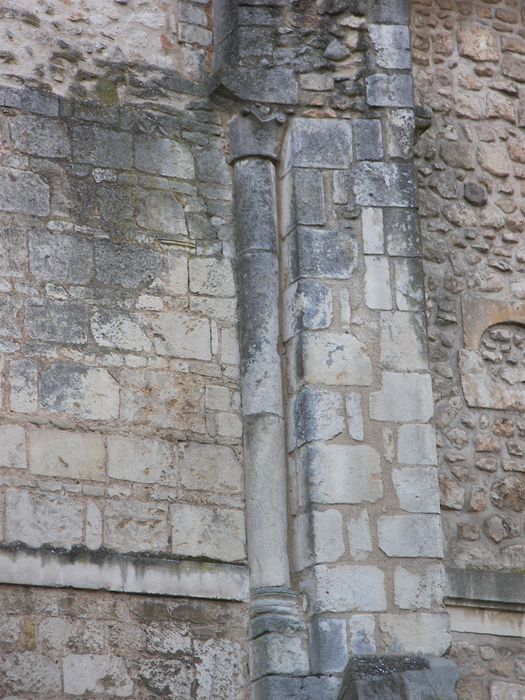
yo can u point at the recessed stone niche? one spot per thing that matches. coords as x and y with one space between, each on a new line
492 365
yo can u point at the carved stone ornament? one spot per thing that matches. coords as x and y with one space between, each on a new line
256 132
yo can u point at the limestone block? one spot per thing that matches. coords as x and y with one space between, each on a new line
478 43
389 90
57 321
37 518
359 536
118 330
212 276
391 12
319 537
410 535
102 147
174 677
93 673
142 460
348 588
168 638
372 226
229 425
307 305
68 454
221 671
164 157
402 231
416 633
178 275
217 398
162 212
321 143
343 474
211 163
127 265
57 257
217 533
28 672
254 181
354 414
416 444
13 253
335 358
13 446
56 633
361 633
182 335
392 45
9 323
308 197
404 396
368 139
321 253
39 136
409 284
315 415
213 468
417 489
83 391
23 192
384 184
94 526
329 653
399 132
378 294
422 588
133 526
501 690
278 653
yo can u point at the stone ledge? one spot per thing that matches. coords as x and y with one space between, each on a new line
124 573
486 589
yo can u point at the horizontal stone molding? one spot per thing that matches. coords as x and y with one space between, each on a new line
500 623
124 574
498 590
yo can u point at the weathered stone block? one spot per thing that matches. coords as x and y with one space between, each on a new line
307 305
368 139
90 673
9 323
13 446
378 292
127 265
416 633
329 653
417 489
279 654
391 11
13 253
39 136
213 468
391 45
400 133
402 232
160 211
59 258
423 588
84 391
217 533
102 147
361 633
315 415
478 43
319 537
308 197
254 181
39 518
320 253
409 284
403 397
343 474
384 184
29 672
348 588
403 341
359 536
212 276
502 690
372 227
334 358
389 91
118 330
320 143
354 414
410 535
140 459
61 322
23 192
164 157
182 335
68 454
416 444
133 526
23 396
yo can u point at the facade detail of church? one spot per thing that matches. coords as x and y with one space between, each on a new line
262 336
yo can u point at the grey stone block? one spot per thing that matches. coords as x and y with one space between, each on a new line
9 323
103 147
57 321
164 157
13 253
392 45
161 211
384 184
127 265
399 678
90 392
316 415
115 205
329 653
368 139
60 258
309 197
278 85
23 192
30 100
402 232
39 136
255 210
321 143
391 11
321 253
308 305
389 90
308 688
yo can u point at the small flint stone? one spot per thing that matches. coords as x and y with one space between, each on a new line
336 51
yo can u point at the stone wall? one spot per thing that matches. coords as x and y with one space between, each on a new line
469 68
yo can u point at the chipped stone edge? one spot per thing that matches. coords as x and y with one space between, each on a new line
124 574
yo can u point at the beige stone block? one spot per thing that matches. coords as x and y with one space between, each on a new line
133 526
199 531
98 674
182 335
65 453
141 459
335 358
212 276
416 633
212 468
13 446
